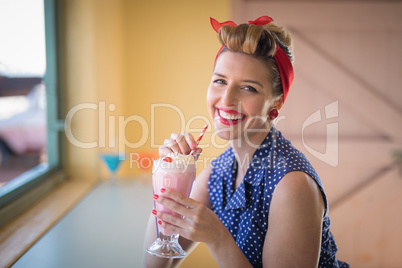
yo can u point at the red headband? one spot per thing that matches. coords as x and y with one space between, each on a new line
282 60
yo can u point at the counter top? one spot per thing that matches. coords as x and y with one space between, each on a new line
105 229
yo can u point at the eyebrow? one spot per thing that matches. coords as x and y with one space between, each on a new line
246 80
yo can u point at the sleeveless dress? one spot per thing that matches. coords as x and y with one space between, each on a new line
244 211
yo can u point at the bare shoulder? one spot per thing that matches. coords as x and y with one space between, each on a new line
299 191
295 220
297 184
200 188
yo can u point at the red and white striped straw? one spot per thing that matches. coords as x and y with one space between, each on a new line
199 138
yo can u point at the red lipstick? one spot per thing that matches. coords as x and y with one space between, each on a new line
237 117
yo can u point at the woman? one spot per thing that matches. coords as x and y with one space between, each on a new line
260 203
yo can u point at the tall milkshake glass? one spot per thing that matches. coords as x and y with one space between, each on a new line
176 172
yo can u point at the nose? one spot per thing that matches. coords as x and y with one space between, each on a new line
229 97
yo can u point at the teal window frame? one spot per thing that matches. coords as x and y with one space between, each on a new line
19 194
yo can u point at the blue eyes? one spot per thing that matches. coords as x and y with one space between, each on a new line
246 88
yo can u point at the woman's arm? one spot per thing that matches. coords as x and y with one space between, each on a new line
295 223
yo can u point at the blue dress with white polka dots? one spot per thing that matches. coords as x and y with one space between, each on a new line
245 210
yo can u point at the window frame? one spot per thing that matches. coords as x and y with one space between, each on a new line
23 191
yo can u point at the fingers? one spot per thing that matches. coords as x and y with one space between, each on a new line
181 143
190 141
197 152
176 214
166 218
171 227
187 217
175 201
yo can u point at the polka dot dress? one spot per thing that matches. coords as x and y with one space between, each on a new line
245 210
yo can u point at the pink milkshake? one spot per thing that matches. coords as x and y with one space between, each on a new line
176 172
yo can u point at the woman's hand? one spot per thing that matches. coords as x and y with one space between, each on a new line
182 143
198 223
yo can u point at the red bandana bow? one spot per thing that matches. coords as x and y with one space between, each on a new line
282 60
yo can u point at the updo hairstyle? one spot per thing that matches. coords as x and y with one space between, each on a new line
259 42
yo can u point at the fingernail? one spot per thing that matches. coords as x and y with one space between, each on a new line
154 211
156 196
163 190
160 222
193 146
168 159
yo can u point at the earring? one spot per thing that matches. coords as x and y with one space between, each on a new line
273 113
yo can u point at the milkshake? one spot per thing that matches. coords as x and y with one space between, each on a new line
176 172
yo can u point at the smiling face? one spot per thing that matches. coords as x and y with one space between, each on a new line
239 97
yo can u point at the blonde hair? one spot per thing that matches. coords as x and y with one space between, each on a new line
259 42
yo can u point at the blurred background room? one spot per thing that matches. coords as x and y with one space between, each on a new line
116 77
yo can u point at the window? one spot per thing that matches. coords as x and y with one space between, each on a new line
29 186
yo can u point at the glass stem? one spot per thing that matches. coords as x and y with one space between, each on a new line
169 238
